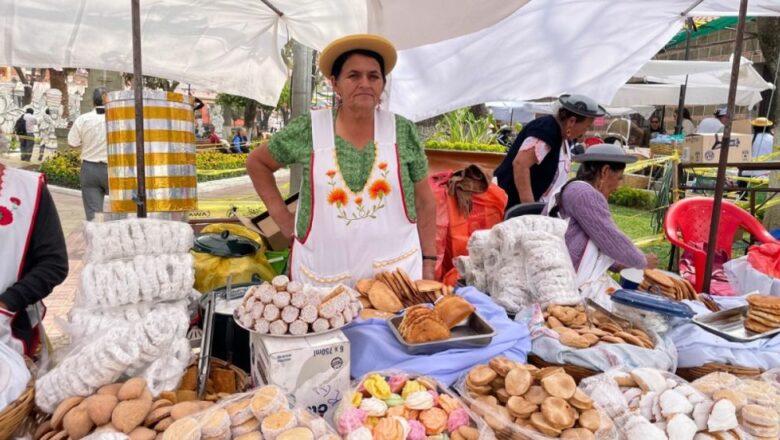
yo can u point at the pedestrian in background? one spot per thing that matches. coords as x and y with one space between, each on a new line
89 133
27 140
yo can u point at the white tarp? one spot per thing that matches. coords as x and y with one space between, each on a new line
708 84
454 52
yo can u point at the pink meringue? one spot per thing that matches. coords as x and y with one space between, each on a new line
457 418
397 382
351 419
416 430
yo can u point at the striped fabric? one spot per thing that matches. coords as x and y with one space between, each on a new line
169 151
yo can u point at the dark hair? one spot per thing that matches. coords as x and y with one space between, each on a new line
97 96
656 118
686 114
29 110
587 172
564 114
339 63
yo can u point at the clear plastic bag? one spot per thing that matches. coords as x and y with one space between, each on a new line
268 412
508 427
381 396
647 403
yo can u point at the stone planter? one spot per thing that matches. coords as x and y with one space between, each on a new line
442 160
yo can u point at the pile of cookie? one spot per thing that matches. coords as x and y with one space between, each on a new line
516 398
678 289
264 413
221 382
403 407
126 408
763 313
756 402
422 324
574 330
390 292
666 407
288 307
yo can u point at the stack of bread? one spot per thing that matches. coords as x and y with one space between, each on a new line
285 307
221 383
757 402
262 414
678 289
126 408
661 406
398 406
763 313
574 329
422 324
390 292
517 400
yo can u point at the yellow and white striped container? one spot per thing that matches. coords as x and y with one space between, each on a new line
169 146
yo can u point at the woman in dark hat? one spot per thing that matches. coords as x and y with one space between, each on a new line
594 240
538 163
365 204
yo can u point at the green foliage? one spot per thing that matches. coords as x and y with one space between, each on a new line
214 160
63 169
464 146
663 194
462 126
632 198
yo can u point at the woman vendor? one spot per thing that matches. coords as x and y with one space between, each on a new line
365 204
538 163
595 242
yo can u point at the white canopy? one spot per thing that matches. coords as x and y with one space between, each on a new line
708 84
453 52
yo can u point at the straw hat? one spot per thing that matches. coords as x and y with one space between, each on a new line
374 43
761 122
604 153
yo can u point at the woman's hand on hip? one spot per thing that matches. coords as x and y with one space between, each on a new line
429 270
652 261
286 223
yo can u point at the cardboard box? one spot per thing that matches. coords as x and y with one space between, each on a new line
705 148
313 371
741 126
264 225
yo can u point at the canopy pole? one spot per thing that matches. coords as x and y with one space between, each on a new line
724 147
684 88
138 89
690 8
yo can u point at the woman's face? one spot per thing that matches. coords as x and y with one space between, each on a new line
576 129
610 180
360 83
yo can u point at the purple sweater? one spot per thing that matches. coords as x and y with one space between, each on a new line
590 219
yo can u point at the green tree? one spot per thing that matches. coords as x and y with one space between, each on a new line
153 82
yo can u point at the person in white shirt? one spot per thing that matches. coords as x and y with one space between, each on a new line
714 124
763 142
89 133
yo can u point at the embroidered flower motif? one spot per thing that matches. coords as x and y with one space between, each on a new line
6 216
379 189
338 197
15 201
330 173
359 200
382 166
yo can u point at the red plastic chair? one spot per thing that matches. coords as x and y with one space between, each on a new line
689 220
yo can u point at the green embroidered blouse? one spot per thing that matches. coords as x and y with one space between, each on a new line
293 145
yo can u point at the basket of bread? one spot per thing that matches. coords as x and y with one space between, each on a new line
399 405
391 292
522 401
16 412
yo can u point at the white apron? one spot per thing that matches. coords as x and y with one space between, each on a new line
561 177
19 195
592 277
354 235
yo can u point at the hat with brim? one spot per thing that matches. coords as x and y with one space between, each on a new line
719 113
374 43
582 105
761 122
604 153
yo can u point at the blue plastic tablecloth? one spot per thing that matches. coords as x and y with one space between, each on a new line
374 347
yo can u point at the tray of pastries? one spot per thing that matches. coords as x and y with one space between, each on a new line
760 318
451 323
390 292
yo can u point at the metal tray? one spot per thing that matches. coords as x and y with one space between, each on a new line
729 324
474 333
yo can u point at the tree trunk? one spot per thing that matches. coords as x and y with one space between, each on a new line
59 80
28 83
769 42
250 112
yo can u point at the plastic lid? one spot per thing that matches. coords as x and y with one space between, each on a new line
652 303
226 244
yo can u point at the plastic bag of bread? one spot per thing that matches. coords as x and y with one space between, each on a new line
520 401
565 335
648 404
263 413
396 404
